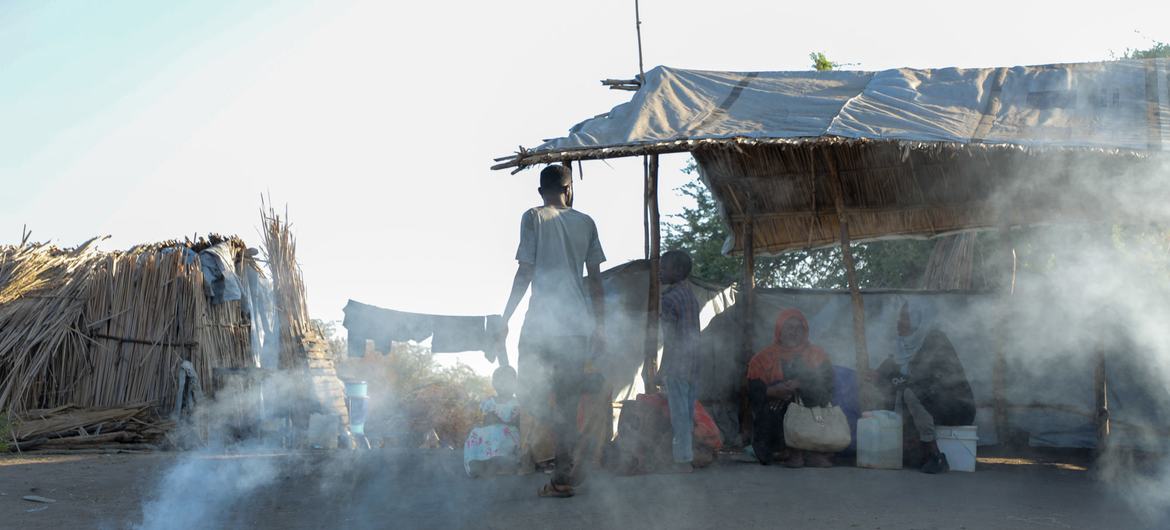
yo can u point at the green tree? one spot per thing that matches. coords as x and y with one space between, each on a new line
821 63
1159 50
338 344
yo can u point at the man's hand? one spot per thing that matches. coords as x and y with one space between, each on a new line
499 329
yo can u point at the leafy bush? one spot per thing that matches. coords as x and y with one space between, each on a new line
411 394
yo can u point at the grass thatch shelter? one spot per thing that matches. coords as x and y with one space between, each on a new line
99 329
807 159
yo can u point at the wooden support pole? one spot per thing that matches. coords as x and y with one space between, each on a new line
1101 236
747 294
836 187
999 367
650 361
646 207
746 307
1101 401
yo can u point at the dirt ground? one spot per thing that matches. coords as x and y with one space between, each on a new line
427 489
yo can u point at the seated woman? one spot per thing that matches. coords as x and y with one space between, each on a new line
791 367
494 446
928 375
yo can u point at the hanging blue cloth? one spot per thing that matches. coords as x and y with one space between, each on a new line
220 282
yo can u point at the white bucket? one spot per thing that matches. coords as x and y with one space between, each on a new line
959 444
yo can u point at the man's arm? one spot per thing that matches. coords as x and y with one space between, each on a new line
520 284
597 294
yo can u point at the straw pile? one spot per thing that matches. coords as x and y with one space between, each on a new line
97 329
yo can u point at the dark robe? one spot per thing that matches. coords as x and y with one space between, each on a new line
938 379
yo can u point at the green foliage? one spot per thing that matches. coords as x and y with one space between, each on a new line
411 393
338 344
5 435
700 230
821 63
1160 50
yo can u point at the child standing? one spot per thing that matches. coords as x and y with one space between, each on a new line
680 352
494 446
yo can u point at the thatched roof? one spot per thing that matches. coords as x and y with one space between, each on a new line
918 152
892 191
71 319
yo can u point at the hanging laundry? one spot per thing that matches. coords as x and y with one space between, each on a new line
450 334
220 282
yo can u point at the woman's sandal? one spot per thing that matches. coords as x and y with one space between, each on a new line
552 490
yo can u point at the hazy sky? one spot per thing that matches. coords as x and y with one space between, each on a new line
376 122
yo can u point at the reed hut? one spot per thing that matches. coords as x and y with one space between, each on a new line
809 159
84 328
99 329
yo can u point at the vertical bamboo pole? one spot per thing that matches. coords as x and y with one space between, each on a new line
650 362
836 187
1101 235
1101 401
748 292
746 304
646 207
999 368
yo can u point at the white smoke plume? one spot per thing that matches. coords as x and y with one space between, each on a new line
1102 289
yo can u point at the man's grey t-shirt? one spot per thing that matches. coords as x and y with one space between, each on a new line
558 243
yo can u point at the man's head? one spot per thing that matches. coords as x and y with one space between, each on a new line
556 186
675 266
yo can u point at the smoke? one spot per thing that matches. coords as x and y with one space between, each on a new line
204 490
236 440
239 470
1098 288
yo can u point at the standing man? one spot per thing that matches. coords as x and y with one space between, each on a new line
564 326
680 355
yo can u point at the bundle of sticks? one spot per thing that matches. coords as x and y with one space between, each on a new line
303 347
68 427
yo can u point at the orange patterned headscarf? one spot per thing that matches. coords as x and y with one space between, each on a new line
765 366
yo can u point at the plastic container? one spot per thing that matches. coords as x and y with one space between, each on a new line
356 389
357 401
879 440
959 444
